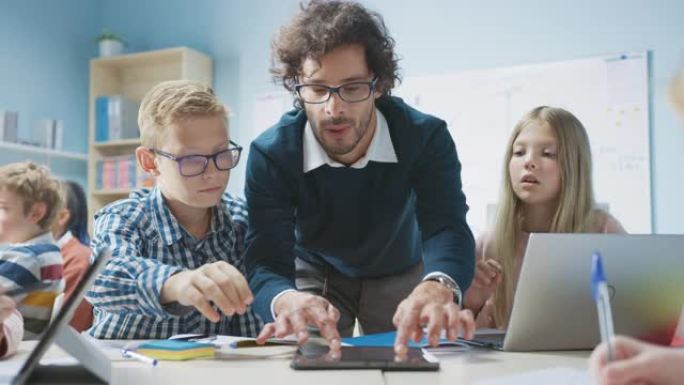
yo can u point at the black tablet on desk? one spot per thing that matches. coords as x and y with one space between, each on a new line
316 357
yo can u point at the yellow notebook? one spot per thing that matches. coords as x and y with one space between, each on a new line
176 350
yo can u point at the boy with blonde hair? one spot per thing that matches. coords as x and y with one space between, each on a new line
29 200
177 249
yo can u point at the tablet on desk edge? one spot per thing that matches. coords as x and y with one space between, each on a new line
315 357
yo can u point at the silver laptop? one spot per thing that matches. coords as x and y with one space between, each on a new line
61 333
554 309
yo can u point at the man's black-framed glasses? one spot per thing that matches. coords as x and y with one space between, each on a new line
193 165
352 92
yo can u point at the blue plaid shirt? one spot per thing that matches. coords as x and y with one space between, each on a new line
148 246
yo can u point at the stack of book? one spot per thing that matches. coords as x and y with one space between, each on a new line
116 118
120 173
48 133
176 350
8 126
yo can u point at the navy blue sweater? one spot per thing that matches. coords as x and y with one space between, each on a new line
371 222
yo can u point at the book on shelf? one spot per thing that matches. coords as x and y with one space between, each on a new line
8 126
121 173
48 133
116 118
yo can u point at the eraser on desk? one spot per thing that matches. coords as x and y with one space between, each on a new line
176 350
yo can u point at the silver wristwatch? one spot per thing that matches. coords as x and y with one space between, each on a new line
449 284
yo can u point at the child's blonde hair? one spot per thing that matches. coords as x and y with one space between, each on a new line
34 184
171 102
575 212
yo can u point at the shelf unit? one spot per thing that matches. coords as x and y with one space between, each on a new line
132 76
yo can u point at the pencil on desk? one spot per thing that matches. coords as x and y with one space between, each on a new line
131 354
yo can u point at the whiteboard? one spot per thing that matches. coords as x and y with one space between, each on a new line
267 109
608 94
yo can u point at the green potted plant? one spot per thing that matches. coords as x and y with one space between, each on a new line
110 43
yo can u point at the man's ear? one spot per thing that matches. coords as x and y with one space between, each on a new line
378 91
146 160
37 212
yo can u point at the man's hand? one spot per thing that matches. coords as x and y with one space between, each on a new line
430 304
295 311
218 282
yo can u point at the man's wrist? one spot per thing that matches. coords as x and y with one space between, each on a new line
276 309
448 283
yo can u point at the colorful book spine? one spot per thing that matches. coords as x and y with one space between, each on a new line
116 117
109 174
98 175
121 173
132 172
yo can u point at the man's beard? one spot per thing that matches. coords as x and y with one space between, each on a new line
338 150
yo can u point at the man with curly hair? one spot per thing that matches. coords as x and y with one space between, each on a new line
356 211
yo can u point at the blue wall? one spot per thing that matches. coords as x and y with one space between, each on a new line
44 51
433 36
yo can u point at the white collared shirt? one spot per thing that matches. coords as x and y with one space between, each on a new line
380 148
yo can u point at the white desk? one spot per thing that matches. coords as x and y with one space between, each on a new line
458 368
210 372
470 367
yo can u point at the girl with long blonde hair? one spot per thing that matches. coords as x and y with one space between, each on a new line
547 187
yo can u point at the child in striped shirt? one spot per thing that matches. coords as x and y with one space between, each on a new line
29 200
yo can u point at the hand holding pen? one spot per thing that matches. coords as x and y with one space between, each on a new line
637 362
624 360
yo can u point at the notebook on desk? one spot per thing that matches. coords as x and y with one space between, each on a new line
553 308
174 350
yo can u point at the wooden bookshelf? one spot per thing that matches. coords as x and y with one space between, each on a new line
132 76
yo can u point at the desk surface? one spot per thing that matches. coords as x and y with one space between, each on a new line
456 368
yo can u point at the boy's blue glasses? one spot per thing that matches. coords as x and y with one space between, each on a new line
193 165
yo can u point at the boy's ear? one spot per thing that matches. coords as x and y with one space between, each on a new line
37 212
146 160
63 217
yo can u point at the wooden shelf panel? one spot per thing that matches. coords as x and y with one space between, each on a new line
116 143
142 58
42 151
111 193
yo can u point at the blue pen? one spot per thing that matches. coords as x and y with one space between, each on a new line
602 298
